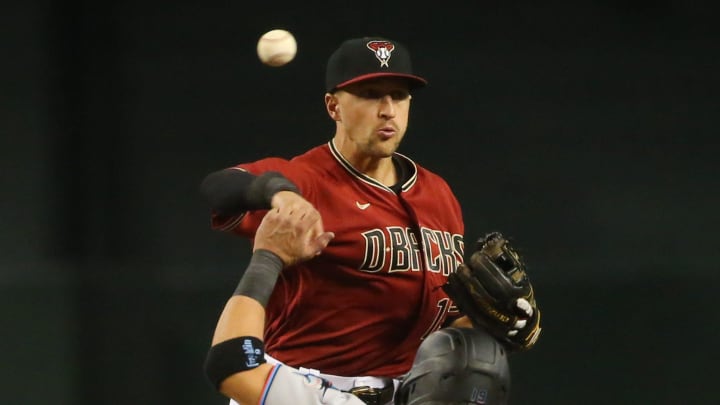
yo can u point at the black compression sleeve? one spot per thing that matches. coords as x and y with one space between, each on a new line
232 191
260 277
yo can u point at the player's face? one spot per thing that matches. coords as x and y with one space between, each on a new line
373 116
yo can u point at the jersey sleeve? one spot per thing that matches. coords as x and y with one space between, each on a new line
286 385
246 223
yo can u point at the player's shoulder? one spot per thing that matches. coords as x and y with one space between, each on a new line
318 161
295 163
307 169
313 154
264 164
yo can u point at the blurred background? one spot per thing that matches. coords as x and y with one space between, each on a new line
585 130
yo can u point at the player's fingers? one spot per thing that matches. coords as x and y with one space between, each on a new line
307 224
314 221
319 227
322 241
310 215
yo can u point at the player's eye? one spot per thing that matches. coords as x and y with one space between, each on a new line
370 94
377 93
399 94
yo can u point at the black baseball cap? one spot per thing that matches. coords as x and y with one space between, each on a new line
366 58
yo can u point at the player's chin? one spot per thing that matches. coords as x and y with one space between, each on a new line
385 151
389 143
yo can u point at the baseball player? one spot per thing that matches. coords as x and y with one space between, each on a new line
452 365
356 314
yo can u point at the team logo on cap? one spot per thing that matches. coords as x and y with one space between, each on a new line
382 50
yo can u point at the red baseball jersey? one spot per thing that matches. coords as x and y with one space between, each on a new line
365 304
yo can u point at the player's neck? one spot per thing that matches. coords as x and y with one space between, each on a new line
380 168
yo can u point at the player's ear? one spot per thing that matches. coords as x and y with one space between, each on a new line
332 106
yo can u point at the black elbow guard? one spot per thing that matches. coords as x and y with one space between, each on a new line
233 356
232 191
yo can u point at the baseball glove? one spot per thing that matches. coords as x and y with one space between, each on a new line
494 291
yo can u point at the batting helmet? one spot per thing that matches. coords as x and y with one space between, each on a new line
457 366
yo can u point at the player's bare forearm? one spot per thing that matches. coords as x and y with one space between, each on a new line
242 316
246 387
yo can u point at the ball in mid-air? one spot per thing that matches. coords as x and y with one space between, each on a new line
276 47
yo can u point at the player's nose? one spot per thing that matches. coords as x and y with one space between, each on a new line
387 107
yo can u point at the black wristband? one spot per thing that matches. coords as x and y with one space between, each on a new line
265 186
260 276
233 356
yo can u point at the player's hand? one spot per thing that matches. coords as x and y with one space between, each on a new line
294 236
294 202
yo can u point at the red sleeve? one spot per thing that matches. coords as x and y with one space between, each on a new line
246 223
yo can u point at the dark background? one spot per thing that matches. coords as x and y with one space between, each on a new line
585 130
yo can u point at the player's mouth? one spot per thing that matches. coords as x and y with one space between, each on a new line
387 132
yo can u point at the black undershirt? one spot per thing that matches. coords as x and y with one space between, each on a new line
402 168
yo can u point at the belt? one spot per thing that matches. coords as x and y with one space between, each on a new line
374 396
371 390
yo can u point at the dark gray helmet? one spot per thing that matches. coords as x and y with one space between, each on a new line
457 366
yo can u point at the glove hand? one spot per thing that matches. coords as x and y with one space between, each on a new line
493 290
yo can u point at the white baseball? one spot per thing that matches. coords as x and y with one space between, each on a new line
276 47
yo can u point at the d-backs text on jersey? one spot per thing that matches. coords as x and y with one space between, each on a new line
397 249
